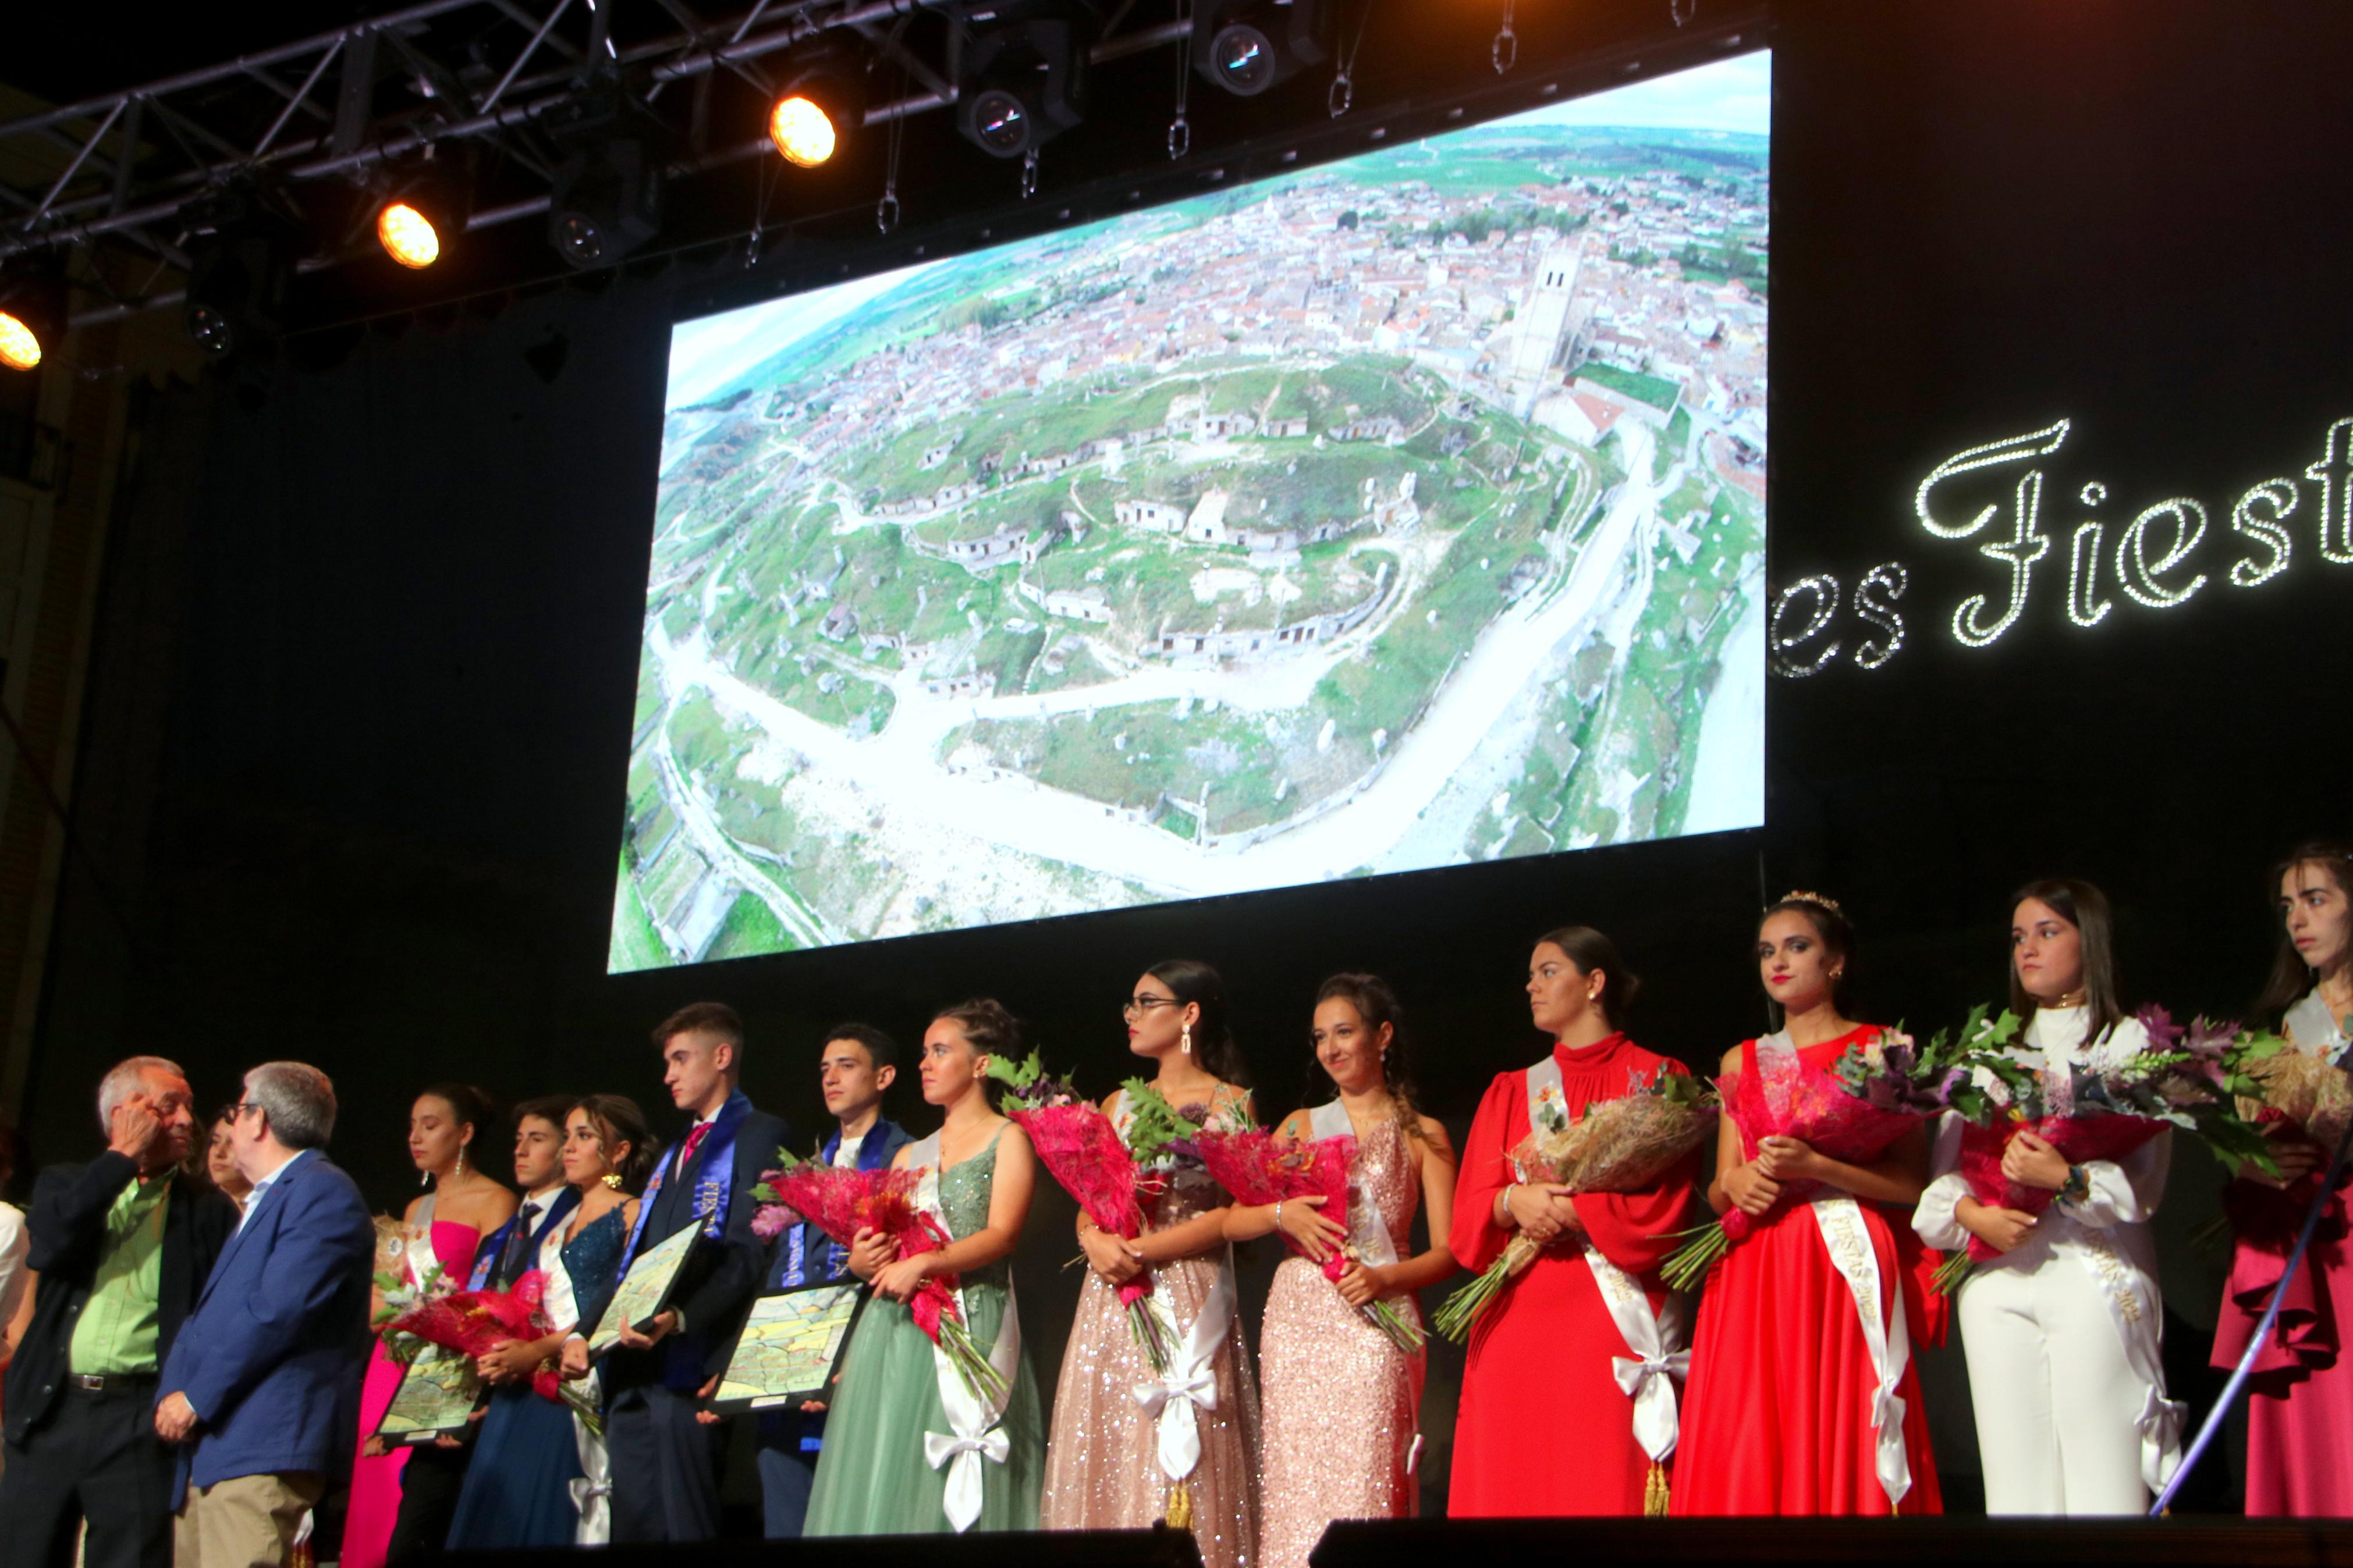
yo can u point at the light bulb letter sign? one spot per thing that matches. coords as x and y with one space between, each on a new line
1974 622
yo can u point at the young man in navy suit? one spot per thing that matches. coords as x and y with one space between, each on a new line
665 1463
261 1384
857 1066
122 1245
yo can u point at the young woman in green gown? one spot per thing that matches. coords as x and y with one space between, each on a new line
907 1449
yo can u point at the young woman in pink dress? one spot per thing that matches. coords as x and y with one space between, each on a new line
1341 1400
2300 1400
442 1226
1802 1397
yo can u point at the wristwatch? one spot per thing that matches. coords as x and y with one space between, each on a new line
2077 1188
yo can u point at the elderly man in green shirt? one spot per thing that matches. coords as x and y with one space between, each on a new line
122 1246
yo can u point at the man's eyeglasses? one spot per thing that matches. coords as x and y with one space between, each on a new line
230 1112
1146 1003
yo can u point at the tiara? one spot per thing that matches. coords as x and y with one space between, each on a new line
1820 900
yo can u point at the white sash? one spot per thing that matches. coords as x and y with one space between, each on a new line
1659 1342
1839 1219
1368 1231
1191 1378
2312 1029
2131 1300
973 1432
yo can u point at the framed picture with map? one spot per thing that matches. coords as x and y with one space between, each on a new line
644 1290
790 1346
438 1393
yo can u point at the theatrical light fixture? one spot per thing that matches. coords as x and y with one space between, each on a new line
1249 46
821 107
408 236
607 197
1025 84
242 266
32 316
423 212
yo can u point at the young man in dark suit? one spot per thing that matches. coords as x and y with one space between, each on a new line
858 1064
665 1463
263 1383
122 1246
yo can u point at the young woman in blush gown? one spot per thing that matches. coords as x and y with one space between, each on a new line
1803 1398
440 1228
2300 1399
1544 1356
1104 1462
1341 1399
2063 1330
899 1399
538 1476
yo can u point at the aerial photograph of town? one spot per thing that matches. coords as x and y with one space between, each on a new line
1397 513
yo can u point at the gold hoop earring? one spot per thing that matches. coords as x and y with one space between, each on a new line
1184 1040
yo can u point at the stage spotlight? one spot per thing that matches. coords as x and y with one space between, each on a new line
423 213
1025 84
607 197
32 316
242 268
1249 46
822 106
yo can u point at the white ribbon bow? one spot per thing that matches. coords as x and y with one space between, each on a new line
962 1455
1649 1382
2160 1424
1190 1380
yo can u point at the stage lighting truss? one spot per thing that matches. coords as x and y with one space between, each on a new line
1249 46
1023 82
244 244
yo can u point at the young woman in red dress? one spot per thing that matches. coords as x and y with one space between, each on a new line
1794 1406
1543 1357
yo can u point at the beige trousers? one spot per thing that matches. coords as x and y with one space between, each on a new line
246 1521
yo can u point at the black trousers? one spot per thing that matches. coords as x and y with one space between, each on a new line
665 1466
95 1456
429 1482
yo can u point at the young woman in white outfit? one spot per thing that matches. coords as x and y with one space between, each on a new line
2063 1332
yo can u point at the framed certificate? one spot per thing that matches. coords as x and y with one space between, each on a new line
645 1291
438 1393
790 1346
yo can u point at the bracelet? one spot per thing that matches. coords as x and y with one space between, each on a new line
1278 1214
2078 1186
1504 1203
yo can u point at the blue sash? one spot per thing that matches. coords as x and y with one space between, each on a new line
715 1157
494 1246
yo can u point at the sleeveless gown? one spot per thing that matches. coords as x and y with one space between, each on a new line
872 1478
1777 1415
517 1490
1540 1357
1340 1395
1103 1465
376 1483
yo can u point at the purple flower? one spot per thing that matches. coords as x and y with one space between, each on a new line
2163 1032
773 1220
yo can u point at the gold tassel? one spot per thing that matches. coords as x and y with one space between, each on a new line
1180 1508
1654 1492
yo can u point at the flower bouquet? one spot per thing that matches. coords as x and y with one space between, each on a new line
842 1201
1113 1179
1257 1167
1618 1146
473 1323
1879 1089
2311 1093
2105 1109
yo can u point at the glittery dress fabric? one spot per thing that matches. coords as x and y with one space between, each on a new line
872 1478
1540 1357
1777 1415
1103 1469
1340 1395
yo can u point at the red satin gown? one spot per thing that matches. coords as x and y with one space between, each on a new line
1544 1427
1777 1415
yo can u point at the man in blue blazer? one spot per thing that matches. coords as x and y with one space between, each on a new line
262 1380
856 1067
665 1463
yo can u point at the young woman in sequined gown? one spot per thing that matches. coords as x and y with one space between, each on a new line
1342 1398
873 1476
1103 1460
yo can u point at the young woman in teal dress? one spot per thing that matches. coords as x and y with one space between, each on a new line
897 1403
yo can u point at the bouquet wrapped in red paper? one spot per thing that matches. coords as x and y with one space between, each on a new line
1113 1179
473 1323
1619 1146
841 1203
2123 1097
1258 1168
1880 1088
